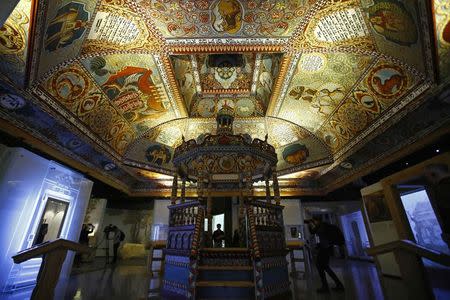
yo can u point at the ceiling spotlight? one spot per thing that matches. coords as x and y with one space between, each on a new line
407 163
437 150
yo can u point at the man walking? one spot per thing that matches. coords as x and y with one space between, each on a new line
328 235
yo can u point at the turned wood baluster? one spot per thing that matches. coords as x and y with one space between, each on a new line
200 187
268 197
174 190
183 190
276 188
249 184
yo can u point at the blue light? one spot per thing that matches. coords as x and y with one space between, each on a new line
27 182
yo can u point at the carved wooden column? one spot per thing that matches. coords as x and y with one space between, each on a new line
249 186
268 199
200 187
174 189
276 187
183 190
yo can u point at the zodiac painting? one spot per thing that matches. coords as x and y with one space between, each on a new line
68 25
245 107
387 81
391 20
158 154
69 85
206 107
295 153
227 16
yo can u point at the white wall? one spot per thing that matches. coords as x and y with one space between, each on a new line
160 219
94 215
135 223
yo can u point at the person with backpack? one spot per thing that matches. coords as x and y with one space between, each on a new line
329 235
119 236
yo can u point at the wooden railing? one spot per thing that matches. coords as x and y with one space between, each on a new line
408 257
183 220
195 247
268 228
267 215
252 235
183 214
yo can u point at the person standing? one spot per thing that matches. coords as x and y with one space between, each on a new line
119 236
84 240
218 236
327 237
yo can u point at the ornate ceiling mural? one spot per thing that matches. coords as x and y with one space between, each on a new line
243 81
134 86
320 82
128 80
64 32
338 25
14 38
394 26
442 35
226 18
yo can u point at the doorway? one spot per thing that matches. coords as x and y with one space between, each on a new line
356 239
222 214
52 221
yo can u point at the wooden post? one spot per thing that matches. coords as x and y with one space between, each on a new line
183 190
200 187
241 198
209 207
174 190
276 187
53 255
412 271
249 187
268 199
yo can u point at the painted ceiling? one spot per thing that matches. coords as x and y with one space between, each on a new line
115 85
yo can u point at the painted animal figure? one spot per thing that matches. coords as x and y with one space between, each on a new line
390 86
158 154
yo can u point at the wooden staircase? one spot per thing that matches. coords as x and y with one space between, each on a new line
225 273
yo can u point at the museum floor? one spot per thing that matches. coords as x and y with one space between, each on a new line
129 280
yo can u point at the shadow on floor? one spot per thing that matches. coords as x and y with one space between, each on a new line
129 280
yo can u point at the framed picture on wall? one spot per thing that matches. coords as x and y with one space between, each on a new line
376 208
293 232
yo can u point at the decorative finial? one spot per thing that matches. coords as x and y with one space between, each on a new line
266 137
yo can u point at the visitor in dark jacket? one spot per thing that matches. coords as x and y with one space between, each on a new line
325 249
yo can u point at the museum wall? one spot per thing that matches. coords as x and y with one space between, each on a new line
135 223
36 193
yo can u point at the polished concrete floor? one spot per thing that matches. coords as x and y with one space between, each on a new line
129 280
